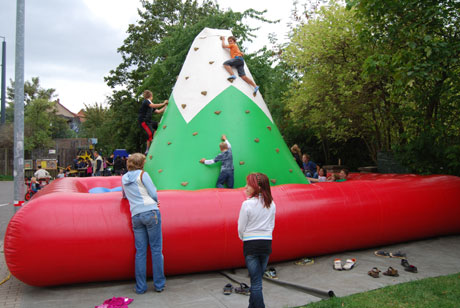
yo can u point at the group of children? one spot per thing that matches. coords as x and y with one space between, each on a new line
312 171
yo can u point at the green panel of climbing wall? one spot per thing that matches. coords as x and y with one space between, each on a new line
257 145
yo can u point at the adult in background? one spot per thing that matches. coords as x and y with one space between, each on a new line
98 164
146 221
255 226
145 116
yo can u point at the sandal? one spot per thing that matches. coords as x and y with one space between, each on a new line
411 269
337 264
405 263
374 272
349 264
243 289
398 254
391 272
381 253
228 289
304 261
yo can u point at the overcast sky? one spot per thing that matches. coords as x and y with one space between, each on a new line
72 45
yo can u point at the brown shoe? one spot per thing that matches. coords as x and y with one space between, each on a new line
374 272
391 272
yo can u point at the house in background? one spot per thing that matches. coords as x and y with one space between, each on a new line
74 120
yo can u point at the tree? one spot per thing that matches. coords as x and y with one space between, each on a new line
32 90
37 124
97 125
41 123
418 52
154 51
331 98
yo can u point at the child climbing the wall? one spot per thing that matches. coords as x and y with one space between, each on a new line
226 170
237 62
145 116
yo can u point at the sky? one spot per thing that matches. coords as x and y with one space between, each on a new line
72 45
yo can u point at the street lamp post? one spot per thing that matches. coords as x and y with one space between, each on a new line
2 121
19 188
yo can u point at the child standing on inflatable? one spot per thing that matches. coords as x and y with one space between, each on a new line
146 220
255 227
145 116
237 62
226 170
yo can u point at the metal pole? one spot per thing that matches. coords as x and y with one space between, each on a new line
19 188
3 81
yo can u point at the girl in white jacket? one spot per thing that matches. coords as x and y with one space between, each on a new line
255 226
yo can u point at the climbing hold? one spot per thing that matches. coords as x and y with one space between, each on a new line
169 142
204 93
184 184
247 111
187 77
196 48
241 162
256 140
277 150
273 181
195 133
164 126
211 62
183 106
160 171
269 128
150 157
217 112
290 170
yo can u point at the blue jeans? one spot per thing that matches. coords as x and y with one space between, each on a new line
256 265
147 231
225 175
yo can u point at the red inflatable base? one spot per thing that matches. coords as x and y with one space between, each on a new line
66 235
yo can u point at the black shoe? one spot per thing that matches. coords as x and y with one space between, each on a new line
243 289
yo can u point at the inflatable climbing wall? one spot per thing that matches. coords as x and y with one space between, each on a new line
203 106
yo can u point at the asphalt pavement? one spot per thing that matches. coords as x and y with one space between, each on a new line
433 257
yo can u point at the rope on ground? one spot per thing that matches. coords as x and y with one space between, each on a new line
6 279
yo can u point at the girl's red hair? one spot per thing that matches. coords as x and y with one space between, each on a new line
259 182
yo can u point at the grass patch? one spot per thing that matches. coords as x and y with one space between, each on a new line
6 177
438 292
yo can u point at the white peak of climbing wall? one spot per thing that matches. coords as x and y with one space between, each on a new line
203 75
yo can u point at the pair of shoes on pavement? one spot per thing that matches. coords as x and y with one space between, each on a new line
398 254
374 272
243 289
349 264
408 267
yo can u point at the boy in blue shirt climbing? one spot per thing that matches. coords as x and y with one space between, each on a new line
226 170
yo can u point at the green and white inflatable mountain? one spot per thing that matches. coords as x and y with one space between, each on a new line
203 106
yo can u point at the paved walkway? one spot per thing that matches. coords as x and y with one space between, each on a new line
433 257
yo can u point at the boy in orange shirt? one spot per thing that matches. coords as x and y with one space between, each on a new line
237 62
